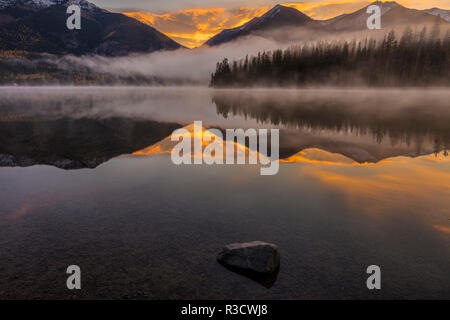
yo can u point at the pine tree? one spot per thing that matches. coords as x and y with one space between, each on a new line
416 59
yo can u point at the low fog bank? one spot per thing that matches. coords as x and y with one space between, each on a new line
413 119
180 67
187 66
195 66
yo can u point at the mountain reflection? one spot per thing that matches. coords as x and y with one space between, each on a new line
73 128
69 143
403 118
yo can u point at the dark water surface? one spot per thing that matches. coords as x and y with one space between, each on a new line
365 179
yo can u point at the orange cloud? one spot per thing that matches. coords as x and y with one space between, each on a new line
192 27
327 9
442 228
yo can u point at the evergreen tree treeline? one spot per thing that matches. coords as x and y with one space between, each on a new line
417 58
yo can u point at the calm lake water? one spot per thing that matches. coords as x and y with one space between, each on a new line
364 180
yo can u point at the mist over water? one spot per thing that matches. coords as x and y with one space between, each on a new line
87 177
367 125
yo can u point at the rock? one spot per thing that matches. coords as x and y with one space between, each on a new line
256 256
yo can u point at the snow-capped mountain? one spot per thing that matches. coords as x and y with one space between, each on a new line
42 4
6 3
358 19
277 17
392 13
32 3
444 14
40 26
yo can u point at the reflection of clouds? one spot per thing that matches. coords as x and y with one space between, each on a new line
421 184
22 210
442 228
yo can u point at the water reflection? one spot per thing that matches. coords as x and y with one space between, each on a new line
389 186
83 127
69 143
403 117
364 180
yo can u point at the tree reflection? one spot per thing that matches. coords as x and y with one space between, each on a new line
410 122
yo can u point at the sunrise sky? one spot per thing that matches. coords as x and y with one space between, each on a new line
192 22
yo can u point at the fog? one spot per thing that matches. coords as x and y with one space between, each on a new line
196 65
365 124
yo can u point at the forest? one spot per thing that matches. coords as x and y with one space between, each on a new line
416 58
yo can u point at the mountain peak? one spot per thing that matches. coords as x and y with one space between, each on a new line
278 16
42 4
105 33
386 3
284 15
6 3
279 9
273 12
32 3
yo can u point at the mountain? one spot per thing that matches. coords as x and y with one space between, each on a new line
67 143
444 14
392 14
40 26
37 4
279 16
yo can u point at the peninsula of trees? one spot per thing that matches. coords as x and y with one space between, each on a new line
417 58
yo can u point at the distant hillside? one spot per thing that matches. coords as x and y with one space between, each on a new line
280 18
444 14
392 14
40 26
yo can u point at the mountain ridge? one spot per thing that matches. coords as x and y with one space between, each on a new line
444 14
30 25
40 26
392 12
281 15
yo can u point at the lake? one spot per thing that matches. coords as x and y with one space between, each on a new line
364 180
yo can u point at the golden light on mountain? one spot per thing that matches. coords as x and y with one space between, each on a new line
192 27
327 9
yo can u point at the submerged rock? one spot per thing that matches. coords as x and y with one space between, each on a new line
257 256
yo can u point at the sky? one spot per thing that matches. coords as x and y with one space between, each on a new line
192 22
159 6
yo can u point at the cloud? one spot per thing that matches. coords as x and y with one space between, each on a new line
194 65
157 6
192 27
388 185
